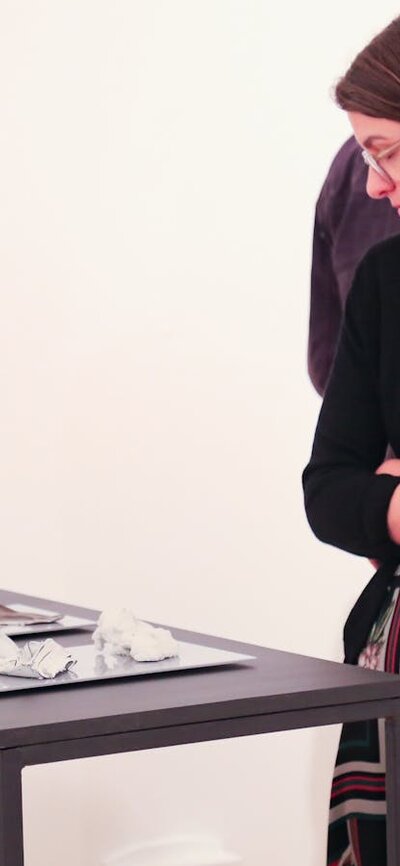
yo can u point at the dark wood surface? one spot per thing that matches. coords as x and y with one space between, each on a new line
283 686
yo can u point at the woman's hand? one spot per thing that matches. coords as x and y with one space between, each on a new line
392 467
389 467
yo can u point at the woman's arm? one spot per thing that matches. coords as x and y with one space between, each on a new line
347 503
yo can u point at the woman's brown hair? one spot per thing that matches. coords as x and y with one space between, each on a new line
371 85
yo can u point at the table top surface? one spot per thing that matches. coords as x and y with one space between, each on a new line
275 682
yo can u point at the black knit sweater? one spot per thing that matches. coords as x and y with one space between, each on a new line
346 503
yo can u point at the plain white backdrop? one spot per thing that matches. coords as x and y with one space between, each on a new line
160 163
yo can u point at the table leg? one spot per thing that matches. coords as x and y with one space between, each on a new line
11 834
393 790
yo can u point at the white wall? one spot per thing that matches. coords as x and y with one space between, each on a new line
160 163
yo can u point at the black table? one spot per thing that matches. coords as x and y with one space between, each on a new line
278 691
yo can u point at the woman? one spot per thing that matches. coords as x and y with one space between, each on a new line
352 493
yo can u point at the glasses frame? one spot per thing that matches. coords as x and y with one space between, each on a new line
373 161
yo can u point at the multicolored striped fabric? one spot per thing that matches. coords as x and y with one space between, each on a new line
357 822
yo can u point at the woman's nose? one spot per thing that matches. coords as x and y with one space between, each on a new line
378 186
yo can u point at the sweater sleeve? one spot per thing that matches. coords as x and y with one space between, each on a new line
346 503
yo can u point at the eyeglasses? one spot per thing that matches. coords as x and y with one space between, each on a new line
374 161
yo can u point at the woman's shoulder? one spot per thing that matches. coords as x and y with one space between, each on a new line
377 276
384 258
376 285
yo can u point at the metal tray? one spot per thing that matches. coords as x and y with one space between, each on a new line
66 623
93 666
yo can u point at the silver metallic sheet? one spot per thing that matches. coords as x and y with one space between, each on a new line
66 623
91 665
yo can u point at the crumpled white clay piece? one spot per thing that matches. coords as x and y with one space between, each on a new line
118 631
40 660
